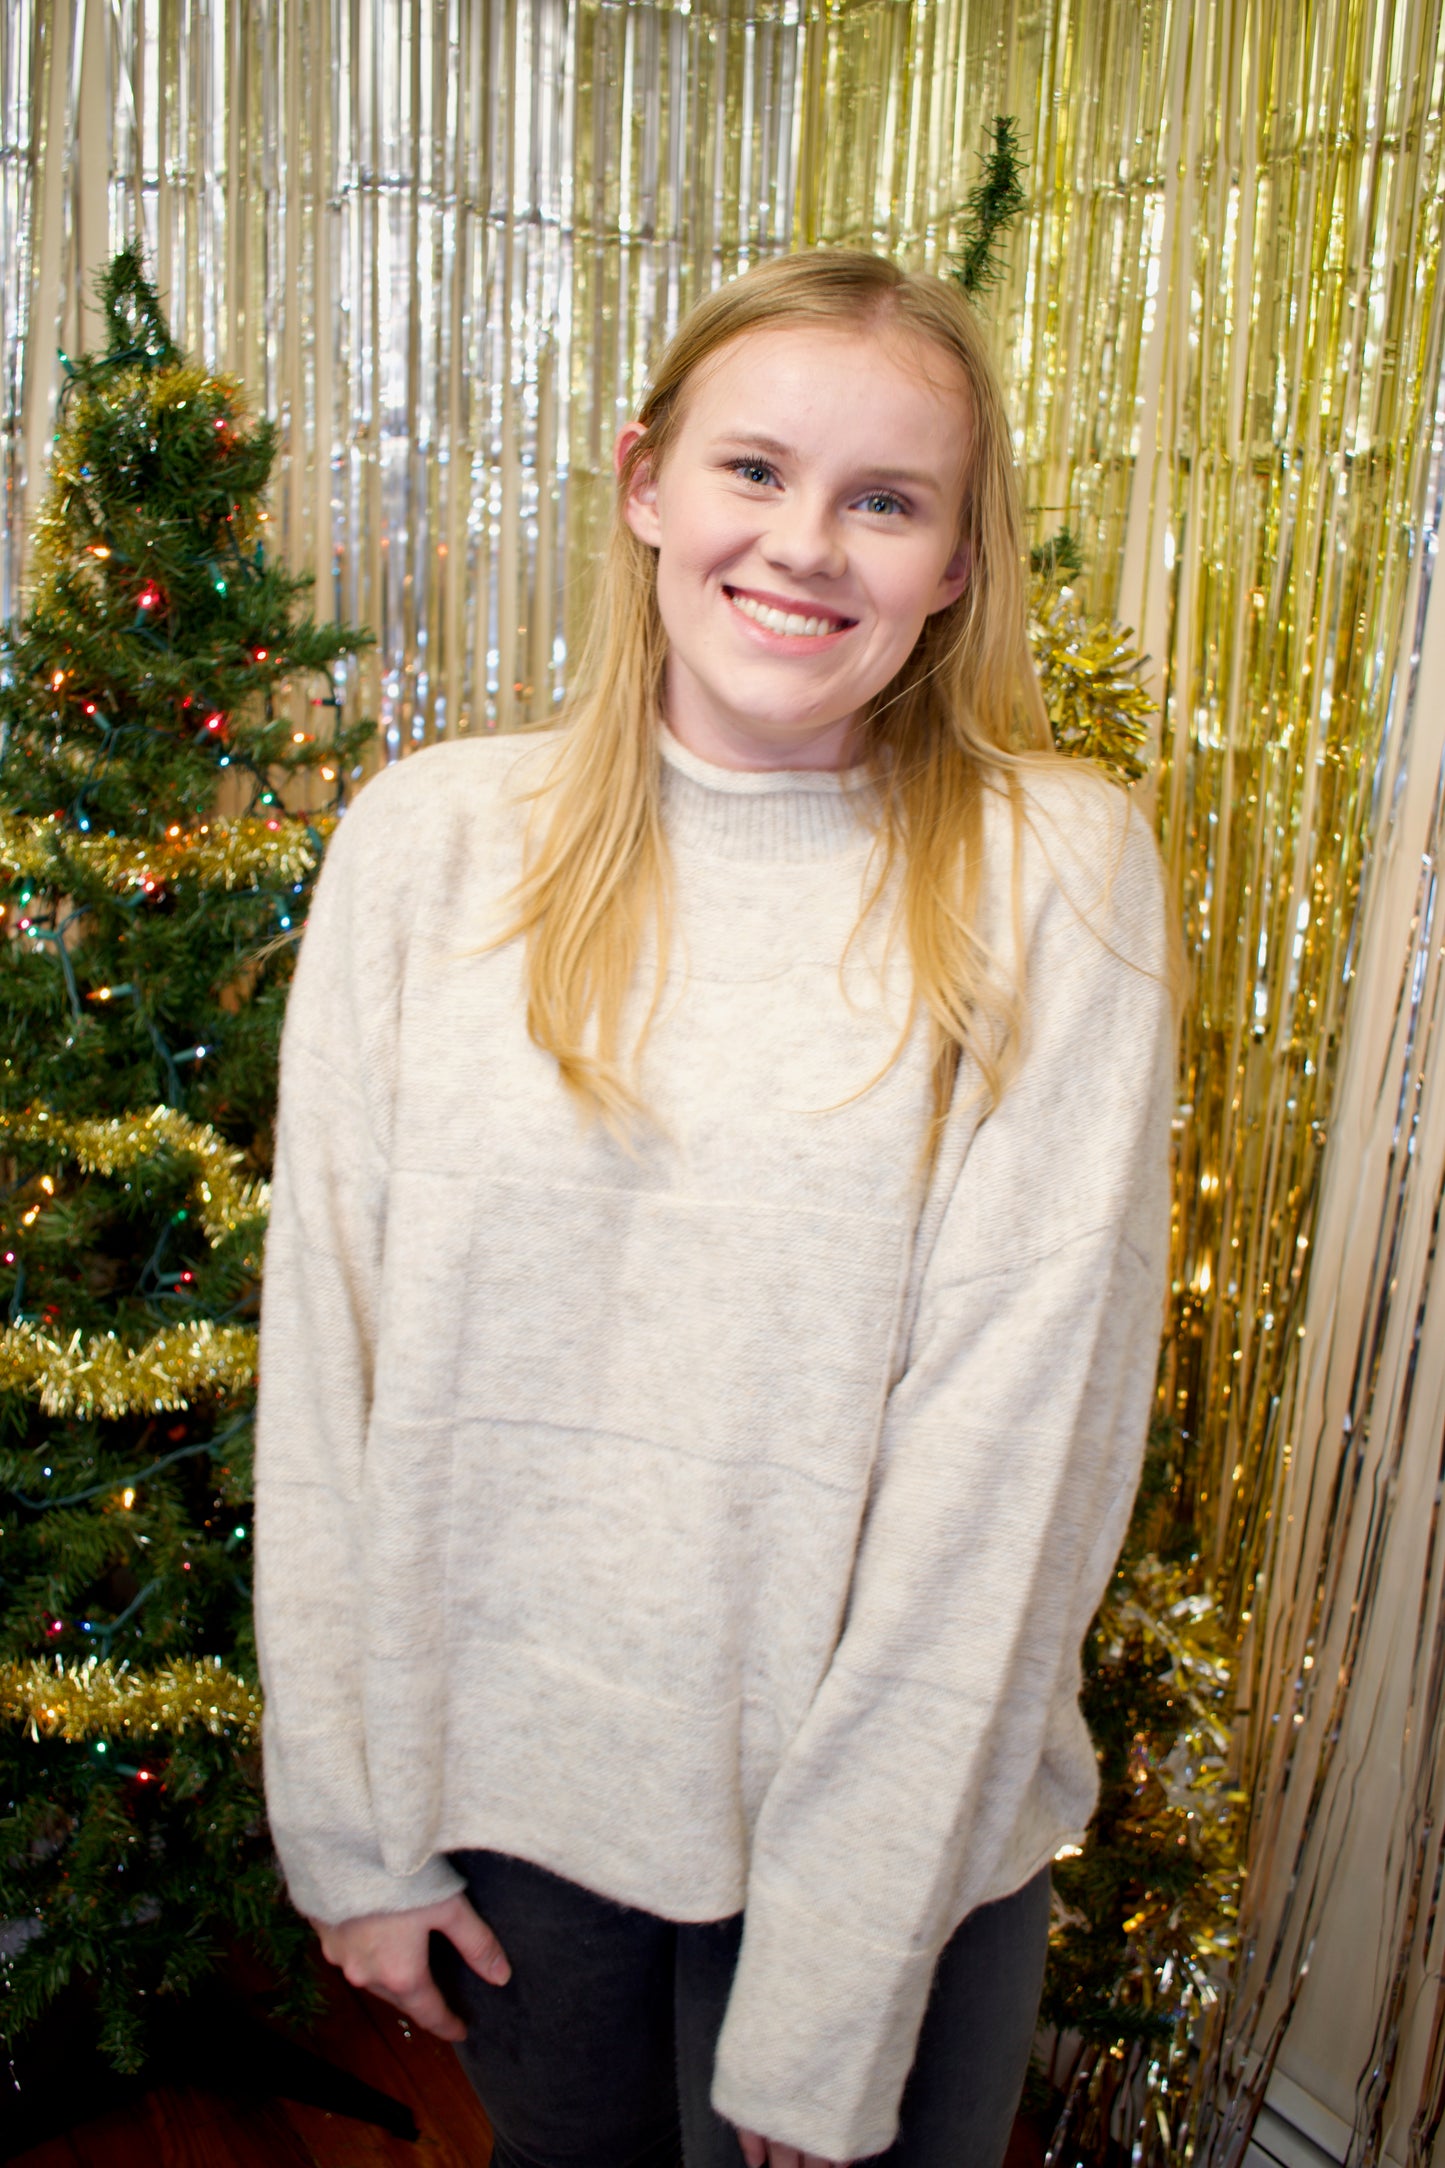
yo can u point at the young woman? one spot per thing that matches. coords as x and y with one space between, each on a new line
713 1295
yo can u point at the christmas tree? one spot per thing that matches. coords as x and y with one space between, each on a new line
152 882
1145 1909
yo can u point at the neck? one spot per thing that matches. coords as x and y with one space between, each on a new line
748 747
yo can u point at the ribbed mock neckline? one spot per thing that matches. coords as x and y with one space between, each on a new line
782 813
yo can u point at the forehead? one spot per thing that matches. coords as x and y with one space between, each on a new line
883 383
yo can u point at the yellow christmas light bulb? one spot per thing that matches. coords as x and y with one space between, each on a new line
127 1498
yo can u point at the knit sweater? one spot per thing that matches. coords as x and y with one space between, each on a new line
715 1524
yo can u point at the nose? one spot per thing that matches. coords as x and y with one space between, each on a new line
803 538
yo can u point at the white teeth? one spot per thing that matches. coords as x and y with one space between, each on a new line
781 620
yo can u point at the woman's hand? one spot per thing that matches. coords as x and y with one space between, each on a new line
386 1953
760 2152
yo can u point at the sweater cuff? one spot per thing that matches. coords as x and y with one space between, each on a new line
342 1883
820 2032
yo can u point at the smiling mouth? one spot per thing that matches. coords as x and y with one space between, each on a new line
808 623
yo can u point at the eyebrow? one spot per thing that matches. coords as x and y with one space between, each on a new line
753 441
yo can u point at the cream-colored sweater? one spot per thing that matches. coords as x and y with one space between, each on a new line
717 1527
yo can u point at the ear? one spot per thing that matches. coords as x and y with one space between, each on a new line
639 507
953 579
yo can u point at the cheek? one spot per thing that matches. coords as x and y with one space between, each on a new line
703 532
902 594
689 575
920 580
676 589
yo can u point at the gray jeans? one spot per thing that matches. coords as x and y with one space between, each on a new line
598 2053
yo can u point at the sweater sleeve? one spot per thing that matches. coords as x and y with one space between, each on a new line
1008 1460
318 1333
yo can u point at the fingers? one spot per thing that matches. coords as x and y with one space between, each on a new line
386 1953
425 2007
470 1934
760 2152
402 1977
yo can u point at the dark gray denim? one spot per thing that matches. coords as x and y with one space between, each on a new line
598 2053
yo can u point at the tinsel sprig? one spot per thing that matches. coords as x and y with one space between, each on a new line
100 1699
1090 679
100 1375
224 1199
235 854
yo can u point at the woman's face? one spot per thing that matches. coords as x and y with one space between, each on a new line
805 522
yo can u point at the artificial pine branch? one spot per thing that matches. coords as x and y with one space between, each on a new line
1058 559
134 316
992 205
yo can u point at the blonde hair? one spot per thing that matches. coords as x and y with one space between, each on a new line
963 714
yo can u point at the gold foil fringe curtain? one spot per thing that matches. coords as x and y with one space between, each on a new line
442 241
1291 524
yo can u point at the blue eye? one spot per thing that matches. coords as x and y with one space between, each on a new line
883 503
750 469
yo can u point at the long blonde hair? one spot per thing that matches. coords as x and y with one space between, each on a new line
964 713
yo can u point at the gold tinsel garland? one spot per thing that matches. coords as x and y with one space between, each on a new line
1090 679
99 1699
224 1199
220 854
102 1376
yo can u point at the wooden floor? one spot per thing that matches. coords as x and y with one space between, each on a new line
185 2129
175 2128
